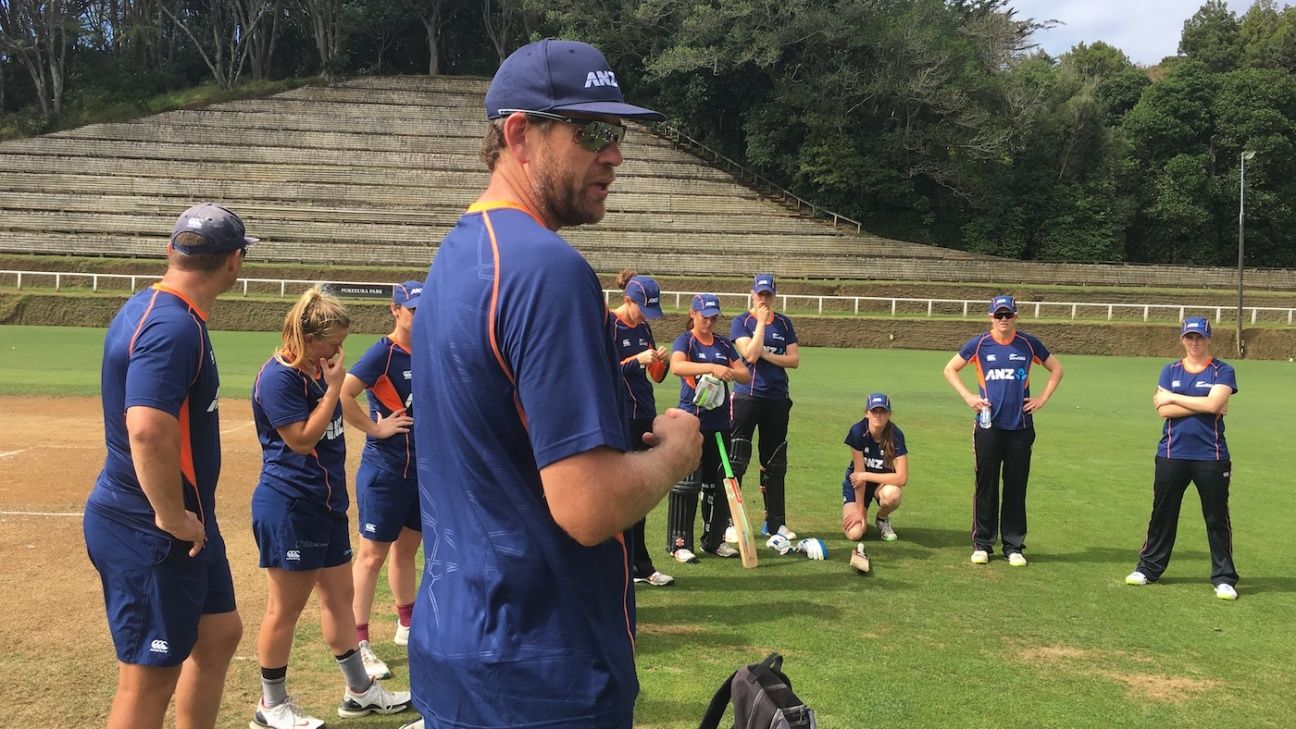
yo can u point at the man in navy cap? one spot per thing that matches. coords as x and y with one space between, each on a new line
525 616
150 521
1005 426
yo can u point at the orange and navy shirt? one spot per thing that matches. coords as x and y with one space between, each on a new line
629 342
717 351
520 625
157 354
283 395
1003 375
385 370
768 380
1200 436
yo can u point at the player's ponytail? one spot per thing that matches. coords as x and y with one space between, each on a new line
623 278
317 314
887 441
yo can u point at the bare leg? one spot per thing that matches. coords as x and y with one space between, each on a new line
143 693
401 571
202 678
888 498
337 622
364 573
288 592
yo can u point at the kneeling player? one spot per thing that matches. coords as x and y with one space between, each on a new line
878 470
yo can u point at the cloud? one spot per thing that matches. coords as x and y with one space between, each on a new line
1147 30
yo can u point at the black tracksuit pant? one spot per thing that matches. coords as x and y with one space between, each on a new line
1008 452
643 564
771 417
1168 487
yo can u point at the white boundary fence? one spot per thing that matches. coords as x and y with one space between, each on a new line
841 305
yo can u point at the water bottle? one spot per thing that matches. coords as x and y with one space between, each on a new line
983 417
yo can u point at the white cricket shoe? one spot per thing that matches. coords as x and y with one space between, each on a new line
860 560
980 556
786 533
375 700
731 535
684 556
1136 578
373 665
1225 591
884 528
1017 559
402 634
283 716
656 579
414 725
724 550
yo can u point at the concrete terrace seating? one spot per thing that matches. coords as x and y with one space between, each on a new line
375 171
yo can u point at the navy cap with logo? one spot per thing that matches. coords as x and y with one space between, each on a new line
1195 325
559 76
407 294
222 230
1003 303
706 304
644 291
879 400
763 283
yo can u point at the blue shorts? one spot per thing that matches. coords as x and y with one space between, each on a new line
387 503
297 534
848 492
154 592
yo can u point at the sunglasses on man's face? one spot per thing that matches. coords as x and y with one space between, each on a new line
1004 315
593 135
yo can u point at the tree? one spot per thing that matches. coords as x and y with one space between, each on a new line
503 22
40 33
434 15
232 27
1211 37
327 26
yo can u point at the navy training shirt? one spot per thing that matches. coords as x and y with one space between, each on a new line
859 438
718 351
1200 436
385 370
1003 375
157 354
768 380
629 342
519 624
283 395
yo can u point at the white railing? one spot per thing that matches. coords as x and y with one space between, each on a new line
853 305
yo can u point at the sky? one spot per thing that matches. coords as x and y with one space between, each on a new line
1147 30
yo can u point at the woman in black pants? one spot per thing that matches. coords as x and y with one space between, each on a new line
1192 396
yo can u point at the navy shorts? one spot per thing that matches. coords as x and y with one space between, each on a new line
387 503
848 493
295 534
154 592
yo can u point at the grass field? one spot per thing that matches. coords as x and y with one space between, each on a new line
928 640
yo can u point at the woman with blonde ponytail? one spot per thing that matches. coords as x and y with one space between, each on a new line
299 510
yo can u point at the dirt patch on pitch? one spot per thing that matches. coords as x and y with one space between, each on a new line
1138 685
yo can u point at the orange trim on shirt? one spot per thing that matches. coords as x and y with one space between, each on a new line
189 302
488 205
139 326
625 561
494 305
186 457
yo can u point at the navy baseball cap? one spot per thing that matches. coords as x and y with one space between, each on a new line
407 294
763 283
706 304
644 291
1195 325
879 400
222 229
1003 302
558 75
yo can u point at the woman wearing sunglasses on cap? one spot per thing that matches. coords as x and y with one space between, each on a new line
640 359
699 352
1192 397
1004 429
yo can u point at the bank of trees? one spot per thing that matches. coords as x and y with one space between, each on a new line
931 120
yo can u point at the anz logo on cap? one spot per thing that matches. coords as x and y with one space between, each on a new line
654 300
415 292
601 78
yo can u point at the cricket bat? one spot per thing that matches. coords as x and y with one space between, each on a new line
737 509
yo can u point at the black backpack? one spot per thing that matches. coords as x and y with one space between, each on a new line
762 699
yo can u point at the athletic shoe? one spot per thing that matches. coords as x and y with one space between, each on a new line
414 725
402 634
783 531
656 579
374 665
1136 578
283 716
980 556
884 528
724 550
1017 559
684 556
860 560
1225 591
731 535
375 700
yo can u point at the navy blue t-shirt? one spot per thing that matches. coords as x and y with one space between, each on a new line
385 370
861 440
768 380
719 351
519 624
1200 436
1003 375
283 395
629 342
157 355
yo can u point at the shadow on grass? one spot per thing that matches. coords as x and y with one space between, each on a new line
1118 555
927 537
1267 584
